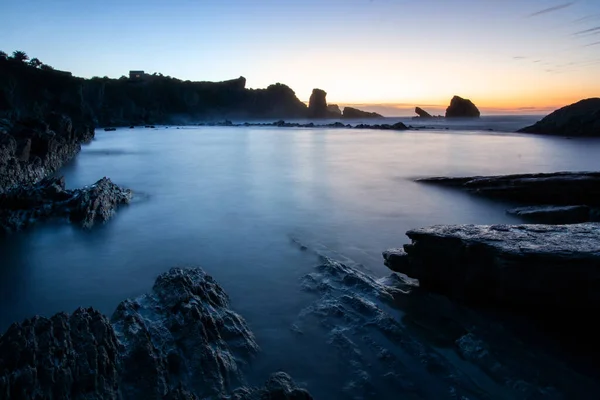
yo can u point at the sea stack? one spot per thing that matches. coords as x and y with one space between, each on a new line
317 106
462 108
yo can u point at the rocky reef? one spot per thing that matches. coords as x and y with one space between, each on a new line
394 339
462 108
23 205
180 341
578 119
525 267
559 197
355 113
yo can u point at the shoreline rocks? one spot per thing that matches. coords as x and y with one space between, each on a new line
578 119
31 149
180 341
558 197
524 267
23 205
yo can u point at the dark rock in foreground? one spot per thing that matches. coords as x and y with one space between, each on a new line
462 108
355 113
555 214
181 341
537 267
23 205
578 119
560 188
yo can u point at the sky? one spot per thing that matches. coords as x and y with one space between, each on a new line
507 56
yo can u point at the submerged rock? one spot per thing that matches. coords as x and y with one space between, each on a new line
560 188
23 205
525 267
578 119
462 108
393 340
181 341
554 214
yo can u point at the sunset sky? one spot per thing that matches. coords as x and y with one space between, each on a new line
505 55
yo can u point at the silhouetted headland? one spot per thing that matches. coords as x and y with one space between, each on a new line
578 119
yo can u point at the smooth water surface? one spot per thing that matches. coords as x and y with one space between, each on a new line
236 200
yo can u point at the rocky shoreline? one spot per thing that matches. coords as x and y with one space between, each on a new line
180 341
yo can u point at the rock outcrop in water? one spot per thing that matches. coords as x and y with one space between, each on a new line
355 113
181 341
422 113
462 108
578 119
334 110
23 205
317 105
560 197
525 267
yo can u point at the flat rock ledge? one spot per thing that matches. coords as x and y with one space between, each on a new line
550 198
520 266
23 205
180 341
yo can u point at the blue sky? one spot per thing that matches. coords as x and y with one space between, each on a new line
503 54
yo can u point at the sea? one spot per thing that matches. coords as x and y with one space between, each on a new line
243 202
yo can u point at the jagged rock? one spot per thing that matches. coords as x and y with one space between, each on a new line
96 203
334 111
64 357
560 188
462 108
183 332
554 214
279 386
526 267
24 205
354 113
317 105
422 113
31 149
578 119
181 341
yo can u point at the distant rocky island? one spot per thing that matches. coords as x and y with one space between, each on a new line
458 108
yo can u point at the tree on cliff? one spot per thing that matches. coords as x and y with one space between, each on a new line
20 56
35 63
3 55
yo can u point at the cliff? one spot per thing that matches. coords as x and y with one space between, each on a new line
30 92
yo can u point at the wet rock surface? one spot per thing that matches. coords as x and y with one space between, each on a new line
578 119
181 341
396 340
527 268
23 205
556 214
553 198
31 149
